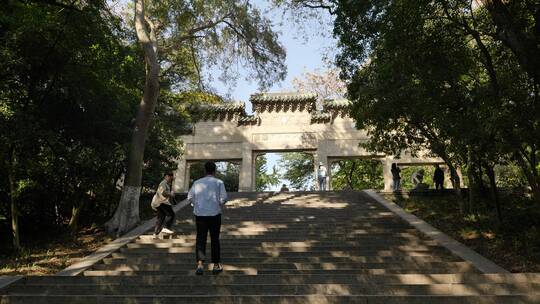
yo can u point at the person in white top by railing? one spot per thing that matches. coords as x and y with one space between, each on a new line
207 195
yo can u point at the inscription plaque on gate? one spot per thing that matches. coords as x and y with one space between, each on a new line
286 140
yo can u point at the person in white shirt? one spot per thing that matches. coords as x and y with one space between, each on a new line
161 202
321 176
208 195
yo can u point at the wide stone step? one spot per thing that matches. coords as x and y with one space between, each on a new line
261 236
268 223
352 249
284 254
253 271
315 231
260 260
289 299
307 223
328 278
455 266
291 244
287 248
180 238
286 289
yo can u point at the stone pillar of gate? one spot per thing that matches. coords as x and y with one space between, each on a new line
387 173
254 156
246 169
181 177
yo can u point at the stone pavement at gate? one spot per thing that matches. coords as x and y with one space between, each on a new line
334 247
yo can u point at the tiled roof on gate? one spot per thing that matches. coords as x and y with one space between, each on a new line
318 117
331 104
224 107
247 120
283 97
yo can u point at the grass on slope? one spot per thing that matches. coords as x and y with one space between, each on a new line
513 244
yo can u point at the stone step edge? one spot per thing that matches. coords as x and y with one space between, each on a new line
221 285
533 296
104 251
480 262
451 277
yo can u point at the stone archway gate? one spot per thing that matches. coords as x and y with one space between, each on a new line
283 122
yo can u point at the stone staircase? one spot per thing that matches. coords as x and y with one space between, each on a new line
287 248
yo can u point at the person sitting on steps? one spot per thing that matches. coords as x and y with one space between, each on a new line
208 196
161 202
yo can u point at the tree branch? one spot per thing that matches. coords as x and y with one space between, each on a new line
191 33
58 4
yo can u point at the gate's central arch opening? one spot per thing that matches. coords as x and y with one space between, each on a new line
294 171
283 122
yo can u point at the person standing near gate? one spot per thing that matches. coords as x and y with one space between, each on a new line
161 202
321 176
208 196
396 178
438 177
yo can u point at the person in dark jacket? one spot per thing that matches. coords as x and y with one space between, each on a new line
438 177
396 178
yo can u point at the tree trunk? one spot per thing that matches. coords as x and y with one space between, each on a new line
473 186
494 191
528 167
126 215
350 175
456 184
14 210
523 46
74 220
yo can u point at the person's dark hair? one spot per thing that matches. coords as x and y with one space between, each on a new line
394 166
210 167
168 174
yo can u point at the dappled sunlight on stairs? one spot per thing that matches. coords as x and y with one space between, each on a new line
287 248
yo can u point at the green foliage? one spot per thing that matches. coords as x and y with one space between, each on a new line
298 170
357 174
216 34
226 171
69 88
408 171
263 179
67 97
434 76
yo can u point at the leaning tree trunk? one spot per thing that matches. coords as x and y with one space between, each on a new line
528 165
14 209
126 215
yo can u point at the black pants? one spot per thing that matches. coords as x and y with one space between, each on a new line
164 211
204 225
439 185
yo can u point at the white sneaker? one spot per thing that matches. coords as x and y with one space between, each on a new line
167 231
155 236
